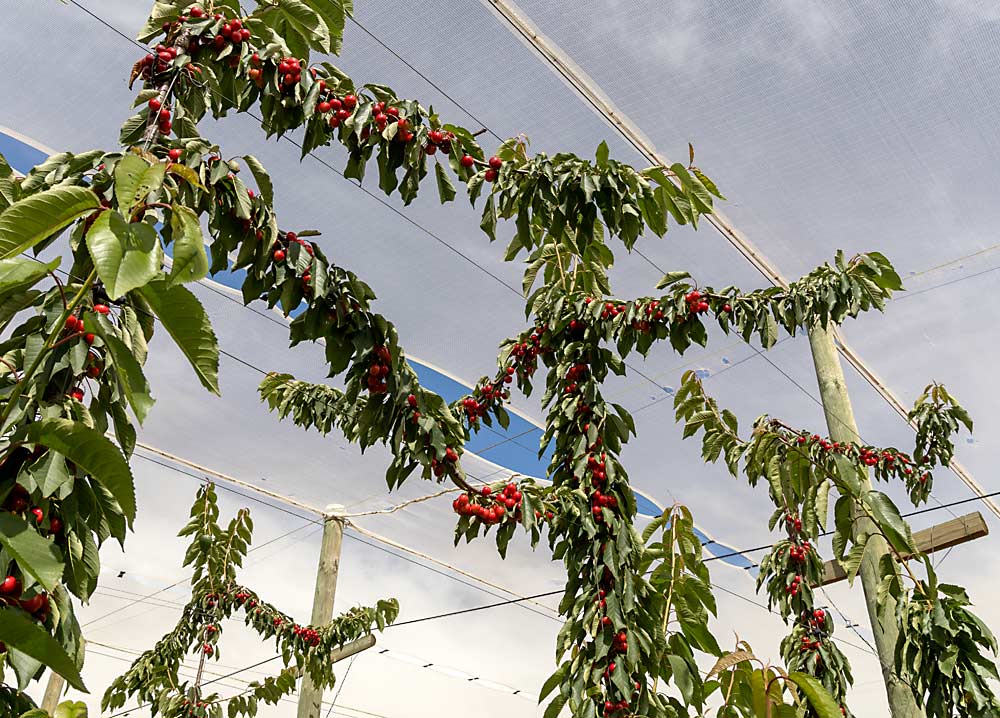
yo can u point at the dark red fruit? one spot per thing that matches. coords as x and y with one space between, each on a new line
174 154
71 324
350 101
93 371
89 338
495 162
77 394
279 255
55 525
38 514
10 587
467 161
491 175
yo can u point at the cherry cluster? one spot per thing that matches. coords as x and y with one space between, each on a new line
17 502
156 62
310 636
280 254
695 302
231 32
815 622
483 396
10 595
869 456
290 72
489 508
159 112
378 370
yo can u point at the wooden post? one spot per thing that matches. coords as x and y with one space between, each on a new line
936 538
53 692
842 427
310 697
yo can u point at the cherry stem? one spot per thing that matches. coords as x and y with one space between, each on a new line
60 285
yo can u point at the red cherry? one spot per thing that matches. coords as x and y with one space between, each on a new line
343 114
350 101
77 394
36 604
38 514
392 111
819 614
93 371
323 106
10 587
402 123
89 338
411 400
334 122
431 149
467 161
726 308
155 104
55 525
495 162
279 255
208 649
165 127
71 324
490 175
197 12
175 154
244 35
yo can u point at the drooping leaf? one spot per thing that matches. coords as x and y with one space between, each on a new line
91 451
187 322
36 217
19 273
190 260
261 177
818 696
18 631
36 556
131 377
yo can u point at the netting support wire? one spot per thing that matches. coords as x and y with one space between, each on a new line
574 75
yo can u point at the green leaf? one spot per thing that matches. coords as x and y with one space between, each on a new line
91 451
186 321
671 278
602 154
446 190
19 273
301 17
51 474
135 178
36 556
554 680
261 177
126 256
819 697
190 260
20 632
132 379
889 520
27 222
